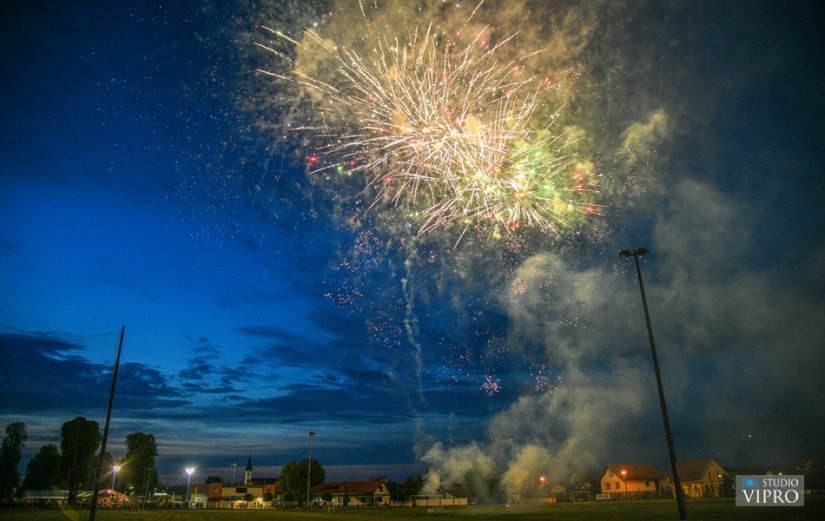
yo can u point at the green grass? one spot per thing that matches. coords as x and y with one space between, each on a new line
708 509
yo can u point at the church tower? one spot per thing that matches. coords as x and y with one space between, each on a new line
248 476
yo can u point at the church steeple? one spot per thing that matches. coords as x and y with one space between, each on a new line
248 475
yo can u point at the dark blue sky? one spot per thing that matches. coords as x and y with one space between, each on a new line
137 187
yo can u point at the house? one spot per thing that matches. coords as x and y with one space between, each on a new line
224 495
702 477
629 480
558 491
45 497
353 493
232 495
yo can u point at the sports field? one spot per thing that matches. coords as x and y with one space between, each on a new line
612 511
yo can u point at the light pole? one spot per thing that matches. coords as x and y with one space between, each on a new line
677 483
189 472
309 465
234 467
115 470
624 480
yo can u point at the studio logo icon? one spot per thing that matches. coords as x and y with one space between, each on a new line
770 491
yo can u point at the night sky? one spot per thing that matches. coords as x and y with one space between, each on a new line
145 182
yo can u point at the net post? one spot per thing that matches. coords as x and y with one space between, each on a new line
96 475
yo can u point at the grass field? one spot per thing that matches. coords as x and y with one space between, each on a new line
612 511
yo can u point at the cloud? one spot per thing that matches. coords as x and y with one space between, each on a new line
66 380
201 365
145 388
52 365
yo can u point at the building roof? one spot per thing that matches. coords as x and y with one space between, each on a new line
693 469
347 487
636 471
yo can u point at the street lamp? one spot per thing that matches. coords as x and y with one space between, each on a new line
624 480
189 472
309 465
677 483
115 470
234 466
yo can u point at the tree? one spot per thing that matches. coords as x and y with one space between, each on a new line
79 439
213 479
412 485
294 478
248 497
141 452
268 496
10 453
43 471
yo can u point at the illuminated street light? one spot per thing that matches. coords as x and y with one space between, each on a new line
677 483
115 470
189 472
624 479
234 467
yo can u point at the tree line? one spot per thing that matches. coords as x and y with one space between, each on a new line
71 466
292 483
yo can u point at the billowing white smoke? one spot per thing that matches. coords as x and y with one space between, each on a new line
552 434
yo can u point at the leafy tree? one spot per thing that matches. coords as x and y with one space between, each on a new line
394 487
814 471
79 439
412 485
139 471
294 478
10 453
268 496
43 471
248 497
213 479
727 487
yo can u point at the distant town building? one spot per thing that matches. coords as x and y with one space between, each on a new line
353 493
629 480
702 477
236 495
233 495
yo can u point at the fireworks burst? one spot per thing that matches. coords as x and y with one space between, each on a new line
491 385
444 130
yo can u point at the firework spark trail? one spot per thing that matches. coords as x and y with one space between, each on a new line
445 132
411 326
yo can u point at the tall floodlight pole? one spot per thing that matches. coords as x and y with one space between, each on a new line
677 483
105 439
234 466
189 471
115 470
309 465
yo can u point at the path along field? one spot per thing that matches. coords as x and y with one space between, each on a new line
613 511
